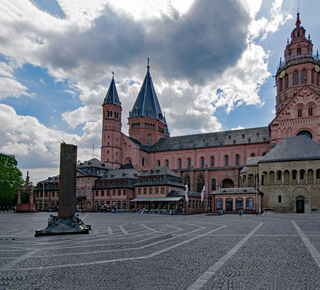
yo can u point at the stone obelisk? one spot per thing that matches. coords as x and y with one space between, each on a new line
66 222
67 181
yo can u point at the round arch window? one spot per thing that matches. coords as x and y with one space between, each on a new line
305 133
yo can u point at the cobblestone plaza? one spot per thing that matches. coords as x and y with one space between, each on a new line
145 251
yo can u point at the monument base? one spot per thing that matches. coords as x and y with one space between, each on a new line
68 226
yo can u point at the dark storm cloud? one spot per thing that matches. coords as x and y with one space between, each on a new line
196 46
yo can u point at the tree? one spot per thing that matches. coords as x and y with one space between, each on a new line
10 179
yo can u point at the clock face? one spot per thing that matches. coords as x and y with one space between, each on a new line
282 74
316 68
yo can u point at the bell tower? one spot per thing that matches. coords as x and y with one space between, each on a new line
298 90
111 149
300 67
147 124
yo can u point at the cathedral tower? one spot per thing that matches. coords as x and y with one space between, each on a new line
147 124
111 149
298 89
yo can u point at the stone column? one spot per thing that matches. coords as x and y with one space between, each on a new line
67 181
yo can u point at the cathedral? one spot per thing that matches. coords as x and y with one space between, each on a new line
215 160
276 167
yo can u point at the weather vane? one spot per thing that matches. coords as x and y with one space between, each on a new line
148 62
113 74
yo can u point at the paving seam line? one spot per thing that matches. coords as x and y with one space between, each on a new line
123 259
313 251
204 278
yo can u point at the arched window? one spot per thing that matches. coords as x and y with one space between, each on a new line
299 112
294 174
212 161
189 162
295 79
237 160
318 174
253 155
312 76
179 163
213 184
279 198
310 111
279 175
142 162
305 133
226 160
281 85
158 163
200 183
202 161
304 76
286 81
167 163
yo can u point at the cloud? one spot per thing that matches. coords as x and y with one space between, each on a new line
35 145
202 59
9 86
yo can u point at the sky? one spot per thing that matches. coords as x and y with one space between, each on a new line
212 64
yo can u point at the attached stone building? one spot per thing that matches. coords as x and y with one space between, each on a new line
290 176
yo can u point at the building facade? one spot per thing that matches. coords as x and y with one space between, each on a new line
218 160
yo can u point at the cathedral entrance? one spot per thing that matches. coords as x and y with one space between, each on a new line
300 204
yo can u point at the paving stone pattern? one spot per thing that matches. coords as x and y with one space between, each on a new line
141 251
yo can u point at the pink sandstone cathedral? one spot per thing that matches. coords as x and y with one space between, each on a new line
215 159
275 168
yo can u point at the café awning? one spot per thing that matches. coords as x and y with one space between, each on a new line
158 199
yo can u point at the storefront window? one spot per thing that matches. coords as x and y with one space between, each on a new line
239 203
250 204
219 203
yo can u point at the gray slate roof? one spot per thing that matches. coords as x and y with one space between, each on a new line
147 103
112 95
292 149
216 139
94 162
238 190
120 174
253 161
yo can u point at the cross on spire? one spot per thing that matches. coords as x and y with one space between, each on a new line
148 66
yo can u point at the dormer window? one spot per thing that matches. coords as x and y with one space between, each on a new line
160 116
136 111
149 113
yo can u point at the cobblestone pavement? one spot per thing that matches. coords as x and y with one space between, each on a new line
135 251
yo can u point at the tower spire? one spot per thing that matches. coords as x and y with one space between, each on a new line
298 22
